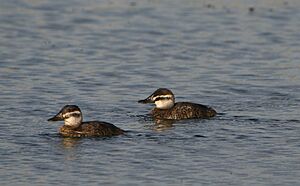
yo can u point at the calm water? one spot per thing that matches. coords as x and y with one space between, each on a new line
106 55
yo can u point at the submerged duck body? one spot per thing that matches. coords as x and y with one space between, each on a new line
166 108
74 127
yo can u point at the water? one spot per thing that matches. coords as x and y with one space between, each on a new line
106 55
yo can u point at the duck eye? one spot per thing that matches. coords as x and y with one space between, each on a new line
161 98
76 115
72 114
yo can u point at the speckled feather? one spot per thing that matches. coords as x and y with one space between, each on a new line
184 110
91 129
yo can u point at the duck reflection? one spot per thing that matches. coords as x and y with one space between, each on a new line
70 143
159 124
70 147
163 124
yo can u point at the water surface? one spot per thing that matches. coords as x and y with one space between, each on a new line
106 55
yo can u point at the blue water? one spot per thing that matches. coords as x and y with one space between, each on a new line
105 55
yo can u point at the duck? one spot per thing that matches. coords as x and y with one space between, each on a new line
75 127
167 108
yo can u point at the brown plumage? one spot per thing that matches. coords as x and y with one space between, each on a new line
74 127
184 110
167 108
91 129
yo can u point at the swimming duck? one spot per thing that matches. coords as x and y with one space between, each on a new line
166 108
74 127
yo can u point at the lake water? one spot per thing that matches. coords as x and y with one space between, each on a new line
105 55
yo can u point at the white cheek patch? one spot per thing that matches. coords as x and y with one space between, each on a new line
68 114
73 121
164 104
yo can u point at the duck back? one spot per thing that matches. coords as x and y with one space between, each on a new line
184 110
91 129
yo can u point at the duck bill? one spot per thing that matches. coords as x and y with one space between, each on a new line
147 100
57 117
